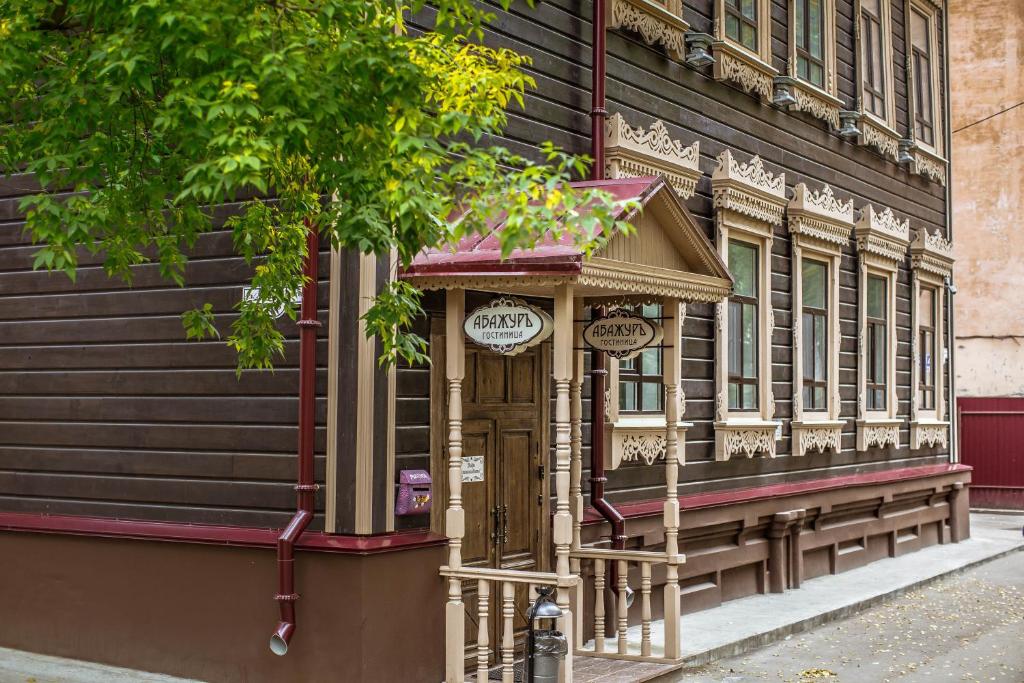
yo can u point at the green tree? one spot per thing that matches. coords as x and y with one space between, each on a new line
138 117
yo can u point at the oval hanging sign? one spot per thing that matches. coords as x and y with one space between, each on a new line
622 334
508 326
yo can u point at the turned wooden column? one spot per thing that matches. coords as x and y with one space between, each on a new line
576 450
672 360
455 516
562 524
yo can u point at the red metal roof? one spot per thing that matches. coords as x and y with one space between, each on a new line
481 254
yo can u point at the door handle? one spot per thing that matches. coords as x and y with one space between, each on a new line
504 525
496 525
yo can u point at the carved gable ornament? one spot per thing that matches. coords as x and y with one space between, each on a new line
749 189
818 219
932 253
881 237
635 152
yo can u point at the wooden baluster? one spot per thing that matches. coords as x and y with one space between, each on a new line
598 605
508 639
672 327
645 598
483 649
623 609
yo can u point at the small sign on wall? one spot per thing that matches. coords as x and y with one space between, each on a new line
508 326
622 334
472 468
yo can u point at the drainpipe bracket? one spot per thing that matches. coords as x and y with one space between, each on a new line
291 597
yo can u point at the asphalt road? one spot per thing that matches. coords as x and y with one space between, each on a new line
968 627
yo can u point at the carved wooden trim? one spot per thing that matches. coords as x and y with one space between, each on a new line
633 152
737 65
818 104
929 434
882 235
929 165
931 253
882 138
818 436
748 439
749 189
818 219
878 433
655 22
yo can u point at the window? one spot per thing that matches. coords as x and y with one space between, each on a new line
743 343
922 73
814 282
874 37
926 355
640 377
741 22
877 315
809 39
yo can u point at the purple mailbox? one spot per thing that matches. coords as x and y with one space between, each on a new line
414 493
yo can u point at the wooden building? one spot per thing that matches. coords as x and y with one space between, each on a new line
792 250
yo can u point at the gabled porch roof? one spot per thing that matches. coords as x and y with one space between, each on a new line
668 255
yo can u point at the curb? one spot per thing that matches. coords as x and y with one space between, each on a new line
761 640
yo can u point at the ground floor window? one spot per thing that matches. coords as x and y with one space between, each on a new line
743 323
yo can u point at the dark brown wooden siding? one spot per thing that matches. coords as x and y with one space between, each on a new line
106 410
644 84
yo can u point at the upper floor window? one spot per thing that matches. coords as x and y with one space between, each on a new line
741 22
814 325
641 377
810 41
877 345
876 82
926 340
924 74
743 324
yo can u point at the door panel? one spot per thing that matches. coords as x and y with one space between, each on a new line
478 498
518 494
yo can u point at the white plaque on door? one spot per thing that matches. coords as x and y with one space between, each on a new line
472 468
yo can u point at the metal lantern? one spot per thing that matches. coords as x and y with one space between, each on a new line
783 96
698 52
848 130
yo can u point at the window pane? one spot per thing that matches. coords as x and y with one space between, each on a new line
819 398
813 282
801 12
749 9
743 266
651 396
748 37
627 395
735 319
927 310
749 396
820 363
651 311
919 30
807 323
650 361
734 396
817 26
817 76
878 362
876 297
803 68
749 340
732 27
871 6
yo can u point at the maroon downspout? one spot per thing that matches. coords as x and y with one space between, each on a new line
598 373
306 488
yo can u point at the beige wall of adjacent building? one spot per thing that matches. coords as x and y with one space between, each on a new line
987 79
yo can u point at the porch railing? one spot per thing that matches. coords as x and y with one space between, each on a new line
503 582
666 648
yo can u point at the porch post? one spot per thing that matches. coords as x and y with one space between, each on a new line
576 445
562 531
455 521
673 313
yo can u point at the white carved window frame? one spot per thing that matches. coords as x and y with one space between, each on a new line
876 131
931 264
753 71
819 227
929 160
822 102
640 437
749 202
882 241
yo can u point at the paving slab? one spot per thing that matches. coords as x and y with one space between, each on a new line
17 666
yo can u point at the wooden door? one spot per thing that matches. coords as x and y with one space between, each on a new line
504 489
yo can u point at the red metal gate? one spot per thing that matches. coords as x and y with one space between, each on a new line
992 442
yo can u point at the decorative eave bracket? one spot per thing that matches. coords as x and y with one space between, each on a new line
931 253
749 72
881 237
656 22
634 152
818 219
749 189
